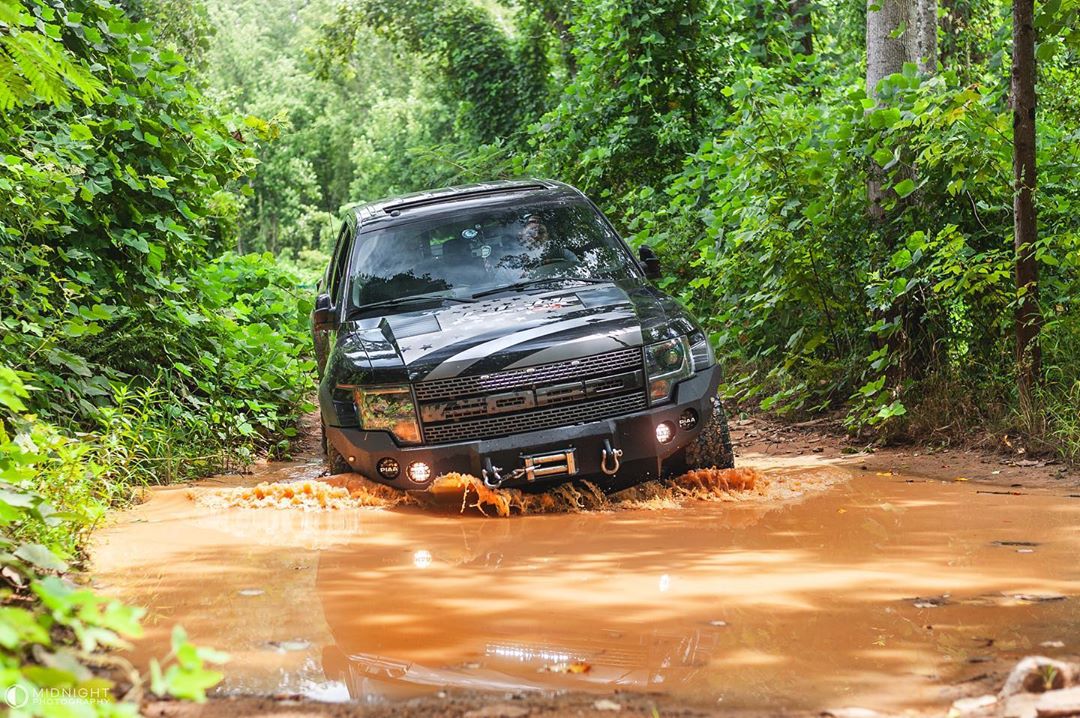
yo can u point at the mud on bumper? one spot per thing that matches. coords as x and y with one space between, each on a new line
642 457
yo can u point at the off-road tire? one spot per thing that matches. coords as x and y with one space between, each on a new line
712 448
335 462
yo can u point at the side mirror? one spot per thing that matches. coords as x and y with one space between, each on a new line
321 315
649 261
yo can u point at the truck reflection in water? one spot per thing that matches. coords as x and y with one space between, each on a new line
654 661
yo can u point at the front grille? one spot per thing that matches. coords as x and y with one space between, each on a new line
463 386
502 403
507 424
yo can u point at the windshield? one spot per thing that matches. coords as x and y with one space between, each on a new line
454 256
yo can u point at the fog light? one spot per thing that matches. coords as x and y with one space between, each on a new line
664 432
688 420
388 468
419 472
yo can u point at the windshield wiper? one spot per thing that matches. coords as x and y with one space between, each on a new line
525 284
399 301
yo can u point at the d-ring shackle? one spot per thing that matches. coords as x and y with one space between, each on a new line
615 455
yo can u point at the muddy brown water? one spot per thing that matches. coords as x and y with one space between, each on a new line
879 592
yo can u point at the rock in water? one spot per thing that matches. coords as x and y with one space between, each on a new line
1036 674
1059 704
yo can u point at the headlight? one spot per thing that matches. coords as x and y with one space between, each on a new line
389 408
667 363
701 352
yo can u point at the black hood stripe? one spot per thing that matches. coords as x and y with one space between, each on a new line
461 361
469 323
619 337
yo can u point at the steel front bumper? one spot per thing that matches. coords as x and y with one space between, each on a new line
634 434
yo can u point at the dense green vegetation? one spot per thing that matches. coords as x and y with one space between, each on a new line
850 248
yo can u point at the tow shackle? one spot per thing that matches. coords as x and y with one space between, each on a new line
610 453
492 475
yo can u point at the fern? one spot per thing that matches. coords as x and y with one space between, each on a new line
13 89
34 67
90 88
44 79
10 14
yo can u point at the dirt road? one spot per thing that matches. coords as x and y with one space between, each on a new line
851 586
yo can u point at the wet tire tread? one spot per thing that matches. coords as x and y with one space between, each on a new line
335 462
712 447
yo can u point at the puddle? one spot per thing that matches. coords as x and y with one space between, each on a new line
878 592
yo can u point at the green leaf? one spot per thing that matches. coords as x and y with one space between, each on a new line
892 410
190 684
904 187
81 133
19 627
1046 50
12 391
40 556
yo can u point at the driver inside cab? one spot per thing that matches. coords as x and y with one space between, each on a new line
535 249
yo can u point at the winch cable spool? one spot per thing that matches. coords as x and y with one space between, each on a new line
493 478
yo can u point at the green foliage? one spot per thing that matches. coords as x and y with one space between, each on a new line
641 96
839 310
328 138
233 376
109 299
183 27
184 674
476 61
34 65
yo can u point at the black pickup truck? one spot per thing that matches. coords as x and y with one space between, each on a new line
505 330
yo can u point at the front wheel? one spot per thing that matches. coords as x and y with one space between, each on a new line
335 462
712 447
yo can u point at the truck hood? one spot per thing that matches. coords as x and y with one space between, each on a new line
514 330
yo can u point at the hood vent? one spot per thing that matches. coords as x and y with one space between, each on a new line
404 327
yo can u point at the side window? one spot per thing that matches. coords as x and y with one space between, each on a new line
340 261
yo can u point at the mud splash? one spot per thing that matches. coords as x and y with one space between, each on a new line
331 493
465 493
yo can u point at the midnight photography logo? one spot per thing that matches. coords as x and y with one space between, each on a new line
18 696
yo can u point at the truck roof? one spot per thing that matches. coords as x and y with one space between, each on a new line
418 204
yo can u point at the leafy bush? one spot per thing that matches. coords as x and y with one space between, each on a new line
641 96
113 203
110 299
236 376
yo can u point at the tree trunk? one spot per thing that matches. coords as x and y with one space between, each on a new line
927 49
889 44
889 39
1028 315
802 24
